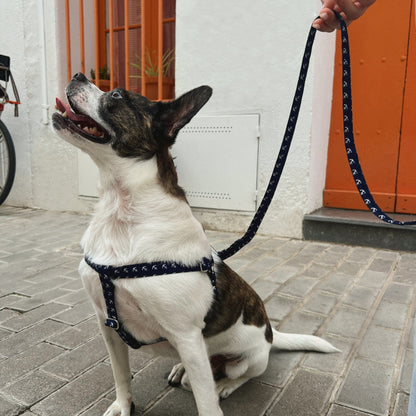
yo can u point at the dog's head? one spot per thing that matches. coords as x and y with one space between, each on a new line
132 125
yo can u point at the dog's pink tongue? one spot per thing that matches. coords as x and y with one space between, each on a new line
64 108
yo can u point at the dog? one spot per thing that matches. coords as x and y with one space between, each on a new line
212 319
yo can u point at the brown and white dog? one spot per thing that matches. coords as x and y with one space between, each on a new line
223 339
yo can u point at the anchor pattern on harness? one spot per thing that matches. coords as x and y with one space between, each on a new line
108 274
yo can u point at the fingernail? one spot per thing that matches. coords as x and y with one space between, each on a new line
316 26
324 16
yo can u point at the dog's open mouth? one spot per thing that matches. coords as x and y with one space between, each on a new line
81 124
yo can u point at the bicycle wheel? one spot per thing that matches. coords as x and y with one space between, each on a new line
7 162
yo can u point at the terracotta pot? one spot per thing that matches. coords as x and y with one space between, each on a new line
168 89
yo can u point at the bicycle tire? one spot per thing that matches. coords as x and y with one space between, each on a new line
7 162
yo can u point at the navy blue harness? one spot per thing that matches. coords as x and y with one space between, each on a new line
110 273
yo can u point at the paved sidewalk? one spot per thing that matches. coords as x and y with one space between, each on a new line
53 362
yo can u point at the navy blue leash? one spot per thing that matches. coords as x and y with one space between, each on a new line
351 150
281 158
290 129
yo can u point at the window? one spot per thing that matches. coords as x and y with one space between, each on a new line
127 45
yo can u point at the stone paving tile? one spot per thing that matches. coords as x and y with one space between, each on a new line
302 323
330 363
150 382
77 395
402 405
264 288
298 286
367 387
374 346
278 307
406 372
321 302
28 303
400 293
347 322
76 335
361 254
336 283
391 315
362 300
282 274
316 271
345 411
373 279
32 358
361 297
34 316
33 388
76 361
99 408
307 395
280 368
76 314
4 333
18 342
10 408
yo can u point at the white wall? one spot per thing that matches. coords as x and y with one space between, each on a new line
46 175
249 52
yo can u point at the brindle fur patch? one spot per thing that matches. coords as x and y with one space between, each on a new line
144 129
129 117
235 298
168 176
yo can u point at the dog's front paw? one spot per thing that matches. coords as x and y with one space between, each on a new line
116 409
175 376
178 377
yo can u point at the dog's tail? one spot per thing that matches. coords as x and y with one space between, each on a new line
300 342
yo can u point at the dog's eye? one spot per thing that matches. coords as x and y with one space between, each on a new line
116 94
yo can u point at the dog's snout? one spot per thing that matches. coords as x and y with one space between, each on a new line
80 77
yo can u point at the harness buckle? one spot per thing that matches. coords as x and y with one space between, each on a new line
112 323
205 266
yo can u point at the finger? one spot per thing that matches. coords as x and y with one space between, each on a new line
354 8
327 21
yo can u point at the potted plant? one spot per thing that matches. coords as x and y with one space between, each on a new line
151 73
104 77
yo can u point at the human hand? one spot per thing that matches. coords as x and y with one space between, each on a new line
349 10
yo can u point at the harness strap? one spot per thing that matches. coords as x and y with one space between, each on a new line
109 273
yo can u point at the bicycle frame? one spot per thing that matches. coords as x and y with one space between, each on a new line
6 76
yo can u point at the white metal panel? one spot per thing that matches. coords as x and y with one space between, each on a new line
216 160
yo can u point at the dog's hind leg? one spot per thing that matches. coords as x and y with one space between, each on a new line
118 350
193 353
253 364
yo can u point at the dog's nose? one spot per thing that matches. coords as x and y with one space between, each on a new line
80 77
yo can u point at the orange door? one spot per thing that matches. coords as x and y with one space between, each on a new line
384 94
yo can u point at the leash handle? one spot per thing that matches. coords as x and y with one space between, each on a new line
281 158
349 141
351 150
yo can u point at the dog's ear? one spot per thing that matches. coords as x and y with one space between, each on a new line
174 115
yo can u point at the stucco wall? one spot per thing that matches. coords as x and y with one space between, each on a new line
46 175
249 52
